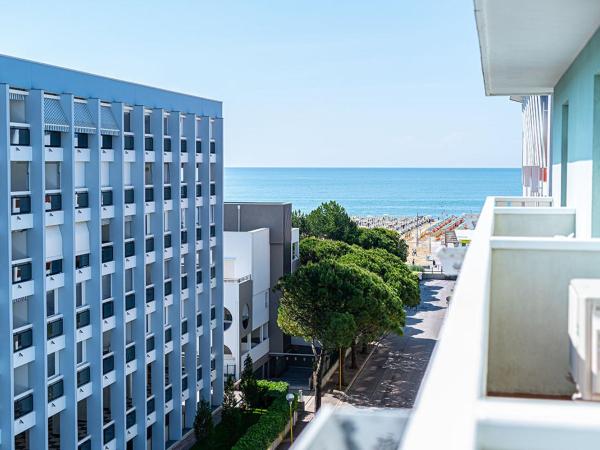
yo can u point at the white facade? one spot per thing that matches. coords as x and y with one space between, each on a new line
247 268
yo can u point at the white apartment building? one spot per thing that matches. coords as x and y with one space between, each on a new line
110 260
247 267
516 366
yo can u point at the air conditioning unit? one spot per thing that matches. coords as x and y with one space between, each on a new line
584 336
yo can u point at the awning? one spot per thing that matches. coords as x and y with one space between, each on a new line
53 243
108 123
12 95
82 238
83 119
54 117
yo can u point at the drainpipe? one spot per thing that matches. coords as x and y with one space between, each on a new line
239 207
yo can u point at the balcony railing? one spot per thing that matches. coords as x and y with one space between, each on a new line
198 234
21 204
213 231
184 326
198 320
198 146
167 192
82 261
106 198
199 277
129 301
130 419
168 335
184 191
213 313
169 394
149 194
54 267
213 147
198 190
183 146
167 241
82 318
107 142
21 273
167 144
213 189
108 434
56 390
213 272
130 353
150 406
108 364
149 143
168 288
199 374
129 249
184 237
23 406
55 328
20 136
149 294
129 196
107 254
108 309
82 200
184 383
83 376
53 202
184 282
23 339
128 142
150 344
149 244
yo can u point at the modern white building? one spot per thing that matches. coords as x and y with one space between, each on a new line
247 267
110 260
516 366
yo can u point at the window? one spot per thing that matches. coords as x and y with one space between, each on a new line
128 228
52 139
127 121
51 303
147 128
79 297
128 280
52 175
81 140
19 176
107 142
106 286
52 365
81 352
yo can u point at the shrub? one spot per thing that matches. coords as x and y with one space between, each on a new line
203 423
248 385
272 422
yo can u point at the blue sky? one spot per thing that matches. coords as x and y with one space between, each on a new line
304 83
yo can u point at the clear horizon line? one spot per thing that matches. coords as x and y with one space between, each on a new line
369 167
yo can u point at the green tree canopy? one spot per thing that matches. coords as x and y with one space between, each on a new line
331 221
390 268
329 303
389 240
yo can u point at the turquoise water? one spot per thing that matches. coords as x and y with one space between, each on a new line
395 192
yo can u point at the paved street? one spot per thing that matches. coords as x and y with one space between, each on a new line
391 378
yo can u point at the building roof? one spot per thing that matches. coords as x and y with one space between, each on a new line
527 45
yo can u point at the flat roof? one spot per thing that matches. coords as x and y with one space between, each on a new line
527 45
24 74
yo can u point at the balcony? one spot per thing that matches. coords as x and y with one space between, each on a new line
23 349
129 202
21 217
20 144
167 144
183 145
130 361
83 324
108 436
168 203
82 207
84 383
128 142
106 201
108 370
22 283
130 311
149 143
56 399
108 315
130 425
23 411
54 334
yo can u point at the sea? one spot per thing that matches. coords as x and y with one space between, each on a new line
397 192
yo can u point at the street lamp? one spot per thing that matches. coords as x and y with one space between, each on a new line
290 398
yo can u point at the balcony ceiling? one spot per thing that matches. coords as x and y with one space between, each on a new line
527 45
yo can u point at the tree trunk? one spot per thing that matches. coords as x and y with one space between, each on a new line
353 355
317 375
364 347
342 361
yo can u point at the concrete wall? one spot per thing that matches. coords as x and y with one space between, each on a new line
534 222
528 340
576 134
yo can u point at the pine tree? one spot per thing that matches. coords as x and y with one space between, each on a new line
230 414
248 385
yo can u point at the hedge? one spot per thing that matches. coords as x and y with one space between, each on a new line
272 422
